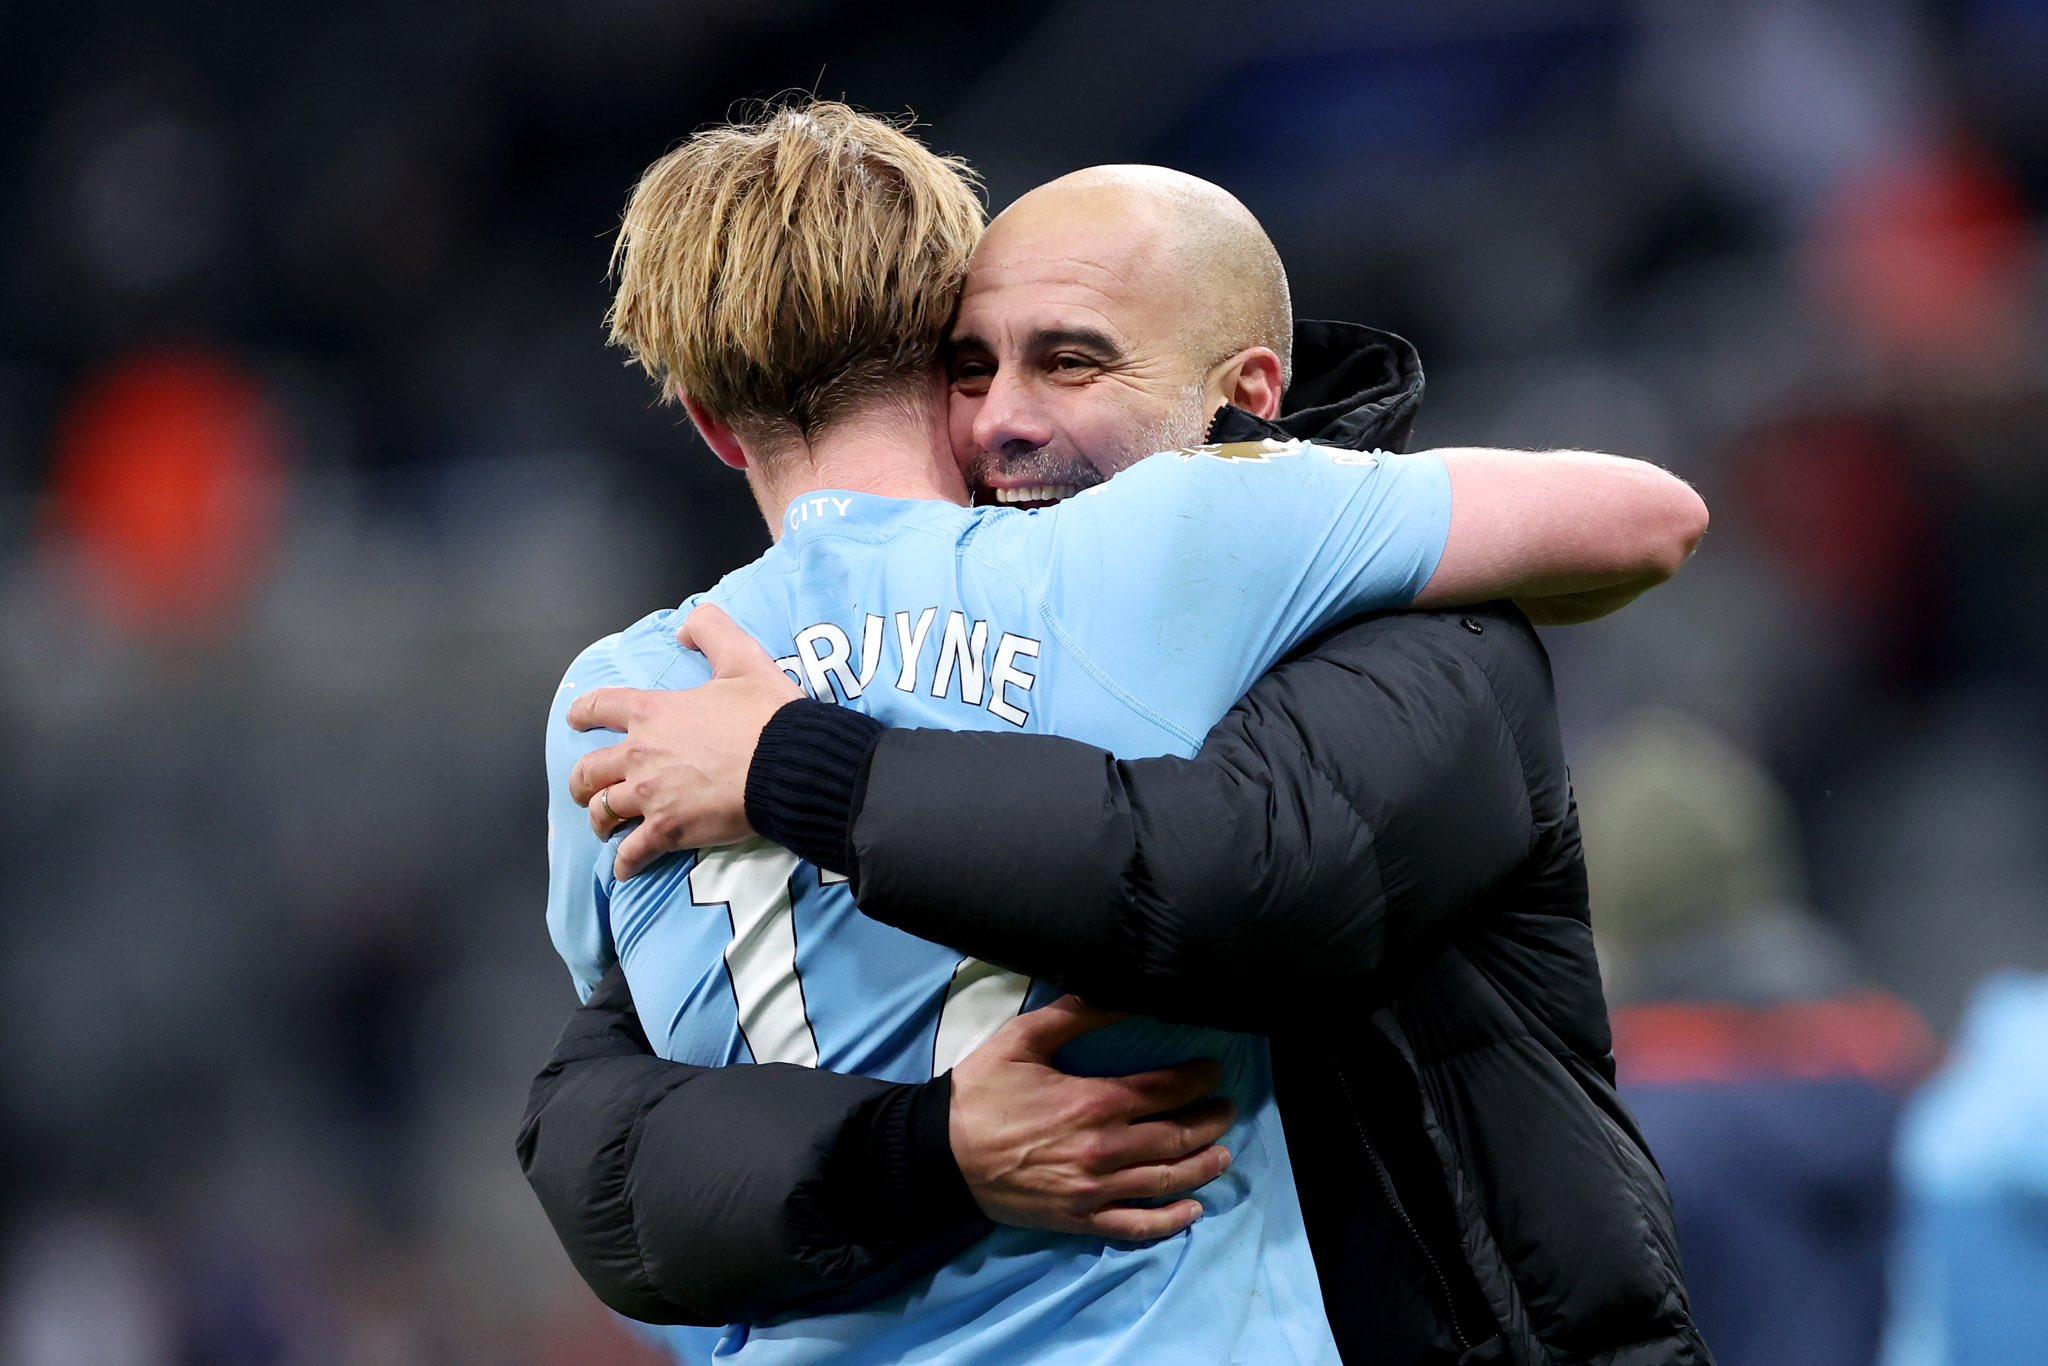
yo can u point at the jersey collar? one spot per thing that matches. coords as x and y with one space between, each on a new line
824 509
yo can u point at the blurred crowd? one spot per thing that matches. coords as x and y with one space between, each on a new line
315 472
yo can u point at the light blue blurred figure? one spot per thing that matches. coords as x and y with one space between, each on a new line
1971 1273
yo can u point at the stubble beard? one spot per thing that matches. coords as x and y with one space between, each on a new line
1184 424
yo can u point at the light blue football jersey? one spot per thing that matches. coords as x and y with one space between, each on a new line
1130 617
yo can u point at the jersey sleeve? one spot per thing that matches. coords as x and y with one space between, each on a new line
579 920
1193 572
645 655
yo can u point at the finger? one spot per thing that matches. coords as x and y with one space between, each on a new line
639 850
1154 1093
1166 1178
595 772
611 808
1175 1137
731 650
1137 1224
1045 1031
605 709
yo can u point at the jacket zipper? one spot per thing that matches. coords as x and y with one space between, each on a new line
1436 1271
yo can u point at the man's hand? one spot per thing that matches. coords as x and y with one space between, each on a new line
681 771
1042 1149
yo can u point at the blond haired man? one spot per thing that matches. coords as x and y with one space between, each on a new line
1131 618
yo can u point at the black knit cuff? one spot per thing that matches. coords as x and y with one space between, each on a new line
933 1182
904 1184
805 777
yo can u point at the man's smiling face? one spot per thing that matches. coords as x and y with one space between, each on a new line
1071 356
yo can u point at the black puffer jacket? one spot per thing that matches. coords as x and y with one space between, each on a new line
1374 859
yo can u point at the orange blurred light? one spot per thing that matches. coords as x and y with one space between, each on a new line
1928 257
168 488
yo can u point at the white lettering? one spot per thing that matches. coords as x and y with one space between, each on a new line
809 509
1006 674
966 651
822 667
794 667
979 999
752 880
870 652
909 645
825 665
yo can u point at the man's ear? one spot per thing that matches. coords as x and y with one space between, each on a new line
1250 380
716 434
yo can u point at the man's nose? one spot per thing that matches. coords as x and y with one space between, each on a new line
1008 422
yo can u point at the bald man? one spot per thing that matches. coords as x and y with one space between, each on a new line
1078 299
1082 343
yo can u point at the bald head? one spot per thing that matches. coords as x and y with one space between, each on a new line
1171 235
1107 315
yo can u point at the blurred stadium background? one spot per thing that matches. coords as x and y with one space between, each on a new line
314 472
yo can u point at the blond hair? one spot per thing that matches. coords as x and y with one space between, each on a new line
781 271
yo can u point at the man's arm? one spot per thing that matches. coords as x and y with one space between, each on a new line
719 1195
1569 535
1191 573
715 1195
1335 825
1347 810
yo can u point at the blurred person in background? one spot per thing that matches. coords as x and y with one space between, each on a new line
1765 1068
1972 1243
1075 324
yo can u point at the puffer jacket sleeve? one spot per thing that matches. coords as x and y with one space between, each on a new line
726 1194
1336 823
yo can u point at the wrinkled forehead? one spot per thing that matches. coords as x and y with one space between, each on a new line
1112 277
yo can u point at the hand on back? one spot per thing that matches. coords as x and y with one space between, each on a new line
1042 1149
681 770
1039 1148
